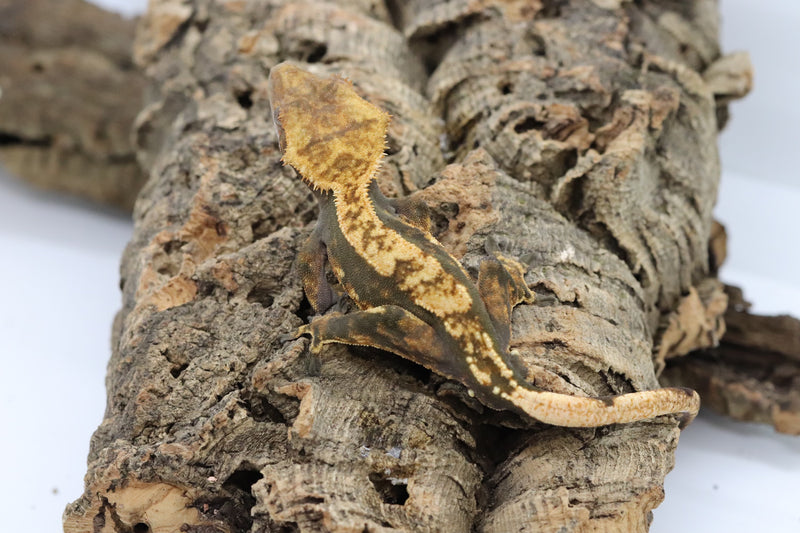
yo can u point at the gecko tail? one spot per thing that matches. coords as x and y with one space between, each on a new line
576 411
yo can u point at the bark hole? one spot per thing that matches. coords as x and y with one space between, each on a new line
245 99
305 311
176 371
262 227
395 14
261 409
528 124
317 54
312 51
11 139
537 45
391 490
244 479
569 158
261 295
552 9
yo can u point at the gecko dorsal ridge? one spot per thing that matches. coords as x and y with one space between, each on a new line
334 138
415 299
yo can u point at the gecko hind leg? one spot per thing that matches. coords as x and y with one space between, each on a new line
501 285
388 327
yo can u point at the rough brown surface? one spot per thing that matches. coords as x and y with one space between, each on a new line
581 139
754 374
69 93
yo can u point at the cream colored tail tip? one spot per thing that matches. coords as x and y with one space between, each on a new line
576 411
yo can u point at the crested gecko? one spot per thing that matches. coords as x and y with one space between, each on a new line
414 298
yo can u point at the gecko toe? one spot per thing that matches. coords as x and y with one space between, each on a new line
299 332
287 337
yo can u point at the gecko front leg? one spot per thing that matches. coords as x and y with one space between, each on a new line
388 327
311 259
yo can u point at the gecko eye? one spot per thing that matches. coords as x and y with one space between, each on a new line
280 130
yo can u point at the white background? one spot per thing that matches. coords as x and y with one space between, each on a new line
60 264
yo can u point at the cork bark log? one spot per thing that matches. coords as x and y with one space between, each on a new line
576 135
69 93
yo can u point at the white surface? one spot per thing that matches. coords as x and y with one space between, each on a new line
55 317
731 477
128 8
761 142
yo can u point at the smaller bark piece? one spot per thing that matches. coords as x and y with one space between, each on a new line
69 94
754 374
697 322
729 78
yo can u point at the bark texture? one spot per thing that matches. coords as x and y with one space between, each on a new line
576 135
69 93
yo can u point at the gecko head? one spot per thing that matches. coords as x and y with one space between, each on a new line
327 132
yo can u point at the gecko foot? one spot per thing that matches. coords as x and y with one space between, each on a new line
316 340
288 337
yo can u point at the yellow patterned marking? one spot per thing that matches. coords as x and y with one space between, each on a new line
484 378
483 358
422 278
